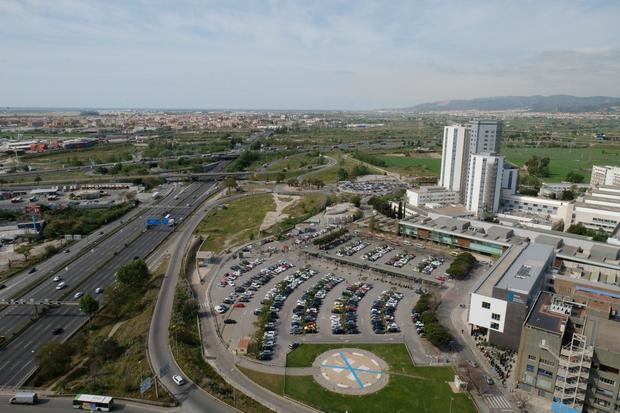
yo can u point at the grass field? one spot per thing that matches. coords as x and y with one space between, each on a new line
411 166
330 175
565 160
410 389
102 154
238 222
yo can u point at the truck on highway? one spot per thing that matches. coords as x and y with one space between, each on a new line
24 397
155 195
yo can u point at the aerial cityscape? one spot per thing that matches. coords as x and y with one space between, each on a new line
274 206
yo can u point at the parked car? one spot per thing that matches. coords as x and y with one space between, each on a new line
230 321
178 380
489 380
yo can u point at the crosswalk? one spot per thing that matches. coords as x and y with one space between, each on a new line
496 401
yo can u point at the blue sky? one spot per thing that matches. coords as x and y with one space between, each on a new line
331 54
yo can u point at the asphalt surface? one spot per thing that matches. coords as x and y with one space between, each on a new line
63 404
95 268
191 397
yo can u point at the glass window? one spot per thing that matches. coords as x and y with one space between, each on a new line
495 316
530 368
486 305
605 380
495 326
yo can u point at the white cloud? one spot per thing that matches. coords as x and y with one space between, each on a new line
329 54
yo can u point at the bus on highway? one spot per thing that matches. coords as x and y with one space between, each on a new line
93 403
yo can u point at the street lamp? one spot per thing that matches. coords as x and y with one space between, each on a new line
451 400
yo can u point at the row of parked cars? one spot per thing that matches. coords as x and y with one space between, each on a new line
349 250
334 243
275 298
307 307
382 312
400 260
344 319
428 264
377 252
245 266
419 325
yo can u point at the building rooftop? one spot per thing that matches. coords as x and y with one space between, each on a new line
603 333
485 285
543 317
528 266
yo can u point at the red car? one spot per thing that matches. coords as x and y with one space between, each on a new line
239 305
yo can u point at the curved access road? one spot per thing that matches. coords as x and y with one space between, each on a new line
191 397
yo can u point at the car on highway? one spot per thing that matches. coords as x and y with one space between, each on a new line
98 290
67 251
33 269
58 331
178 380
57 278
2 286
78 294
61 285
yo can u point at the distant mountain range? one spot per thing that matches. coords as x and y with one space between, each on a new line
555 103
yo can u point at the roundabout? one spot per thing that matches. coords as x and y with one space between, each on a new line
351 371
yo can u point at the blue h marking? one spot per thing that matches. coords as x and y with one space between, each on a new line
352 370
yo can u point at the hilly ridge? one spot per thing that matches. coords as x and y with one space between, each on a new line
537 103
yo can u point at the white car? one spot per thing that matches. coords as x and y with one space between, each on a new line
98 290
221 309
178 380
61 285
78 294
57 278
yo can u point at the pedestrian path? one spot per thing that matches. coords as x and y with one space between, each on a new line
496 401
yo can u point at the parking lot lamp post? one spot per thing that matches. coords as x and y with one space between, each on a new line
451 400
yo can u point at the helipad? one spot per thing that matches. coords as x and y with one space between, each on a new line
351 371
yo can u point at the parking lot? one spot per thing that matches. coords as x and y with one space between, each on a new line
300 298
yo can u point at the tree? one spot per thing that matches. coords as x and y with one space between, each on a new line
342 174
134 274
280 177
89 305
574 177
25 250
578 229
567 195
105 350
538 166
356 200
37 178
53 359
230 183
462 265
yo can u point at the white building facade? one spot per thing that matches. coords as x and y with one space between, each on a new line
605 175
454 157
484 183
431 195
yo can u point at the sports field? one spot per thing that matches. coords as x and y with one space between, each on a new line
411 166
565 160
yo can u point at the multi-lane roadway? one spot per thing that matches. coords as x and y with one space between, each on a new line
95 267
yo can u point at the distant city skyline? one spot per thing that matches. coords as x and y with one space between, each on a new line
331 55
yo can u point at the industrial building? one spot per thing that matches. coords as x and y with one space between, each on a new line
426 195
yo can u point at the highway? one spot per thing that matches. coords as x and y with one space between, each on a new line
91 270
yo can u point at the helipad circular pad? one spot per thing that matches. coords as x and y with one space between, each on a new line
350 371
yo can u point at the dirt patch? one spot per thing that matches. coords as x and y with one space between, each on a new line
273 217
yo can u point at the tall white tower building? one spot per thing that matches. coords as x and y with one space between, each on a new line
484 183
484 136
454 157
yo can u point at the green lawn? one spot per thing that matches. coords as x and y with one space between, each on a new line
99 153
410 389
564 160
411 166
238 222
